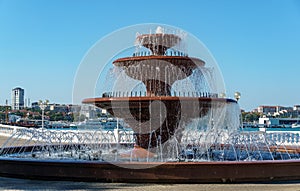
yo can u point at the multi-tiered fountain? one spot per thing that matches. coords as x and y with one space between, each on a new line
159 69
183 129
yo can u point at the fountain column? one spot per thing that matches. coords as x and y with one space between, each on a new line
157 88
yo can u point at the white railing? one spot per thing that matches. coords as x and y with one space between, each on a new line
67 136
8 130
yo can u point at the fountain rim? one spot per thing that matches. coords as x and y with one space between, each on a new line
159 57
156 98
133 163
140 36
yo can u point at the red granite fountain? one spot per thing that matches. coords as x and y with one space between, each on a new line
156 71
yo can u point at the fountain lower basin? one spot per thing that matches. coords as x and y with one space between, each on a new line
218 164
170 172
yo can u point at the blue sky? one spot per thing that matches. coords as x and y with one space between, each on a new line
256 43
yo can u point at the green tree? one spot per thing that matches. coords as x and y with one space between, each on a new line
250 116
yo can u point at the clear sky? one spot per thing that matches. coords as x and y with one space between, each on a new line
256 43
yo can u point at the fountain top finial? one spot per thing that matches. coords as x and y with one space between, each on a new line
159 30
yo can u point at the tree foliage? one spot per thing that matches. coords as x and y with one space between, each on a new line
250 116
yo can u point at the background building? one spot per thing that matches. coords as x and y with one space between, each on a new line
267 110
279 111
278 122
17 98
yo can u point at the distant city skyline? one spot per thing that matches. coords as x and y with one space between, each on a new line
256 43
